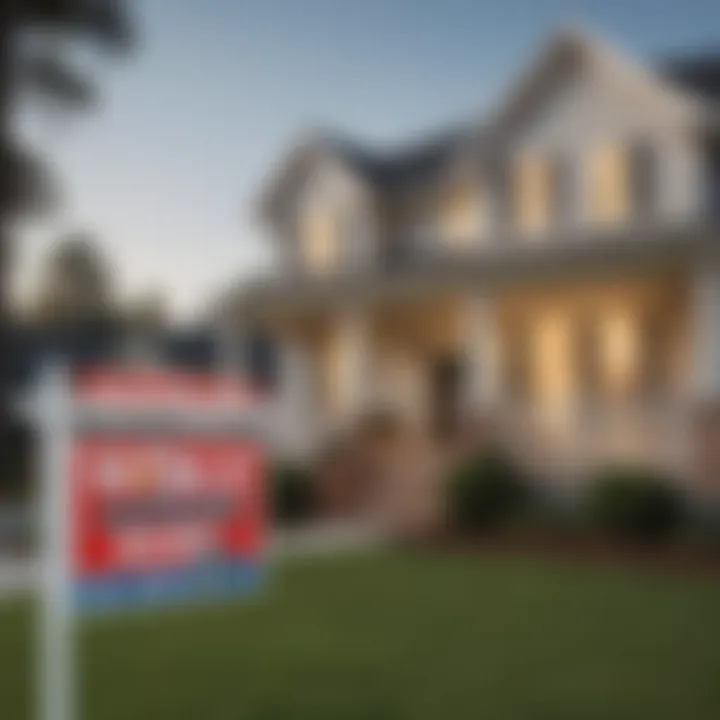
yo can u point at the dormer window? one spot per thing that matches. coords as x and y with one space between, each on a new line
609 184
533 194
319 239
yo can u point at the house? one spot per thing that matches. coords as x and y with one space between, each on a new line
550 271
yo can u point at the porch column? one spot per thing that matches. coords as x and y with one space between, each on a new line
298 420
354 382
481 345
706 332
705 473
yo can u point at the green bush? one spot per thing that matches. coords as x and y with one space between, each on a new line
484 491
634 502
294 497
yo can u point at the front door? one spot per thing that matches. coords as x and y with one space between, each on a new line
445 390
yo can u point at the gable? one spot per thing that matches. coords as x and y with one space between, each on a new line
328 183
578 90
310 172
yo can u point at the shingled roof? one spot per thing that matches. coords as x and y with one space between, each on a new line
699 73
424 160
390 169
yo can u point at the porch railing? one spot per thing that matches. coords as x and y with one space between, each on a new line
561 443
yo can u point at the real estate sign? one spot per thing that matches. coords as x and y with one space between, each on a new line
164 519
170 510
153 494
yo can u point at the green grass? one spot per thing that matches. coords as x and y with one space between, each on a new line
410 637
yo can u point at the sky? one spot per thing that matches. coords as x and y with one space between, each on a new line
164 172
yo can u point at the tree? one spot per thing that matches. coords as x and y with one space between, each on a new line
35 39
146 313
76 288
35 61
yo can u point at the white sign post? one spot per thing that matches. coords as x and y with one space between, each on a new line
56 642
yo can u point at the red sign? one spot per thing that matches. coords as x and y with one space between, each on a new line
156 517
143 504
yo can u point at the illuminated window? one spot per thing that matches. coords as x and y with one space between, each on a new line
609 184
552 355
461 215
620 353
533 194
319 239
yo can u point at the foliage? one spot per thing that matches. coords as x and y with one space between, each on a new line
77 285
483 491
634 502
41 68
294 497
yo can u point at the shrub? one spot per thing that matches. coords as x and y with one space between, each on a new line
484 491
634 502
293 493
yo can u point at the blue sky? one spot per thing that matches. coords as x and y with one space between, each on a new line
165 171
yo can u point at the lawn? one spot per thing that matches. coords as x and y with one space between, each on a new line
392 636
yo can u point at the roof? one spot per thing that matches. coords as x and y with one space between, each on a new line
691 79
699 72
383 170
410 163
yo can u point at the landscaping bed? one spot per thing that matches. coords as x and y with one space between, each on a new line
677 558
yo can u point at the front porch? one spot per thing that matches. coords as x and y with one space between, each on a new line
597 362
567 373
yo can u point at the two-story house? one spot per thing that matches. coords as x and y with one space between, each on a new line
553 267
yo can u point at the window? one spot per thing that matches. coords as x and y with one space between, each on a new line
533 194
552 357
620 354
460 215
609 184
319 239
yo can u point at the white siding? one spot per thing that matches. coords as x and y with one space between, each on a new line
589 108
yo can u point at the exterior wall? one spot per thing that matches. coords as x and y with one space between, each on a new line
590 108
706 377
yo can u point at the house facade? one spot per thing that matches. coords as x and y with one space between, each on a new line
551 271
